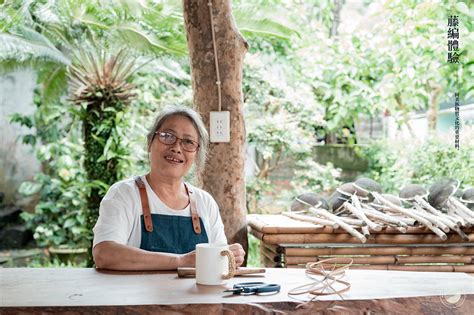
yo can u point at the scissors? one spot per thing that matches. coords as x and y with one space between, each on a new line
248 288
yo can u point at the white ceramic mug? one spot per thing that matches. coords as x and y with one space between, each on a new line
214 264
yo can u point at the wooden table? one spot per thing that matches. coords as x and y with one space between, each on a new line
82 290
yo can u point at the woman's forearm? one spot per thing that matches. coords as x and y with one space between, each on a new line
114 256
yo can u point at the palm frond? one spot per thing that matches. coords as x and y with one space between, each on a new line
54 81
170 68
145 41
98 77
29 44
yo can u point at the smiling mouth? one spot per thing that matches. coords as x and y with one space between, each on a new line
172 159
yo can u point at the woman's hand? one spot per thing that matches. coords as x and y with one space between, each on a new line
238 252
187 260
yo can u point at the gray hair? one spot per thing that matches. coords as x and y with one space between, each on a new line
197 122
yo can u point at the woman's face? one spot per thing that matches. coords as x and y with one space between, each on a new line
170 160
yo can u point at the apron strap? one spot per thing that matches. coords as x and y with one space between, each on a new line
194 214
145 206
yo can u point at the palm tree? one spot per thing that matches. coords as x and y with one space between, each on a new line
100 90
41 36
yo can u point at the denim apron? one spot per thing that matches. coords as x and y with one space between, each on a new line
170 233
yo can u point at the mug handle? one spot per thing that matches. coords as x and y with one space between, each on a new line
232 266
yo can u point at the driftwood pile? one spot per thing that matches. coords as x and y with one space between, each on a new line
360 208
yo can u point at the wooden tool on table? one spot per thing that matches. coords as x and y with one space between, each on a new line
190 272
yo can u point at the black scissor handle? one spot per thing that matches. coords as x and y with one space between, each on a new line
267 288
248 284
256 287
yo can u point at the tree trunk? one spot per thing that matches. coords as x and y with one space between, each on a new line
330 136
223 176
432 113
336 13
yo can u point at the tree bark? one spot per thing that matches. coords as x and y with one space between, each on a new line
336 13
223 176
432 113
330 136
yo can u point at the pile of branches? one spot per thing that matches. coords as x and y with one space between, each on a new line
360 207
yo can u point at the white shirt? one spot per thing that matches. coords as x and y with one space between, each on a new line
121 208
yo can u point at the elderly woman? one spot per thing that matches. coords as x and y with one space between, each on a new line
154 221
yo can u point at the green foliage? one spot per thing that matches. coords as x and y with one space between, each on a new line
398 164
262 23
435 159
299 86
386 165
312 176
47 262
59 216
253 257
42 34
280 125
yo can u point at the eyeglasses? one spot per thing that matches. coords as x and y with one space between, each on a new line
170 139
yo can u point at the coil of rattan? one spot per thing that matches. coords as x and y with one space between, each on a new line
331 271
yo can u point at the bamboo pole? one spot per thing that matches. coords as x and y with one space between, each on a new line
437 221
408 230
365 231
433 259
382 250
268 258
436 212
374 260
383 216
256 224
271 227
356 209
441 268
417 239
352 221
314 220
410 222
346 251
270 264
451 222
372 225
262 257
465 268
368 267
401 229
346 238
411 214
458 208
342 224
461 233
270 248
461 207
464 223
394 207
257 234
451 250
